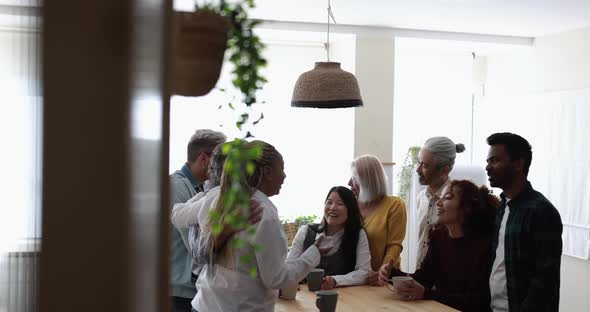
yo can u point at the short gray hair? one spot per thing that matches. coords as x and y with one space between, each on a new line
444 150
203 141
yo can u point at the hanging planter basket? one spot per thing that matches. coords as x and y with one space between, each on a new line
199 40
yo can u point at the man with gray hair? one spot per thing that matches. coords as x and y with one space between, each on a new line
185 183
435 161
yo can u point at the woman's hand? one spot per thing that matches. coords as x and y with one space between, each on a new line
410 290
255 212
373 279
385 272
328 282
254 216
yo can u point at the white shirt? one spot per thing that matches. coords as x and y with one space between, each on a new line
230 288
498 289
184 215
363 255
426 207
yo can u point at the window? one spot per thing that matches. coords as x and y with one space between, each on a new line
317 145
20 160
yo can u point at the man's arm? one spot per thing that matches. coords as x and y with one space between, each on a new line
544 286
184 215
180 193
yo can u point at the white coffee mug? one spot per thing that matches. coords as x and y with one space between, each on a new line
395 281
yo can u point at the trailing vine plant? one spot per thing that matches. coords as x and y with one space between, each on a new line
244 49
405 175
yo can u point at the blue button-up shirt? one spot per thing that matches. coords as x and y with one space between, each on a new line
184 187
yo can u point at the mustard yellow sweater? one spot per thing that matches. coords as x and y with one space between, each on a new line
386 230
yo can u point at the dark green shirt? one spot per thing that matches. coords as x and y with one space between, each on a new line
532 251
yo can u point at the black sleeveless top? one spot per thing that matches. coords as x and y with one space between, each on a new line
335 264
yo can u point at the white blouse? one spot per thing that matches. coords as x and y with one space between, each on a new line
363 255
227 289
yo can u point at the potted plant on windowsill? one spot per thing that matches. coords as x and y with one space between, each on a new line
291 226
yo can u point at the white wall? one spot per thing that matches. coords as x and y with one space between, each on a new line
556 63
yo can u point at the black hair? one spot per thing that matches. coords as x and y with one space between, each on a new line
353 224
516 146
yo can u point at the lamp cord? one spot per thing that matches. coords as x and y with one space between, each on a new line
330 16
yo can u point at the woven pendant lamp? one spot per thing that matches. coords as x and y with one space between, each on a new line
327 85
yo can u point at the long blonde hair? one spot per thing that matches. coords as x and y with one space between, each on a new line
249 182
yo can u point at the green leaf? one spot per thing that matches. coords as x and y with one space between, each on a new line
259 119
250 167
236 243
230 219
244 259
255 152
253 272
226 148
216 228
214 216
256 247
229 199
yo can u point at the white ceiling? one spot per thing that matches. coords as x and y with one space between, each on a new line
531 18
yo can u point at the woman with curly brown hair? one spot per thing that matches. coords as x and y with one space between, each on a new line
455 269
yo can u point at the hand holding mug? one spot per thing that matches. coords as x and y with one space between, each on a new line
328 282
407 288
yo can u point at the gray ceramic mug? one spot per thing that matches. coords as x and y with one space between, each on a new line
314 279
326 300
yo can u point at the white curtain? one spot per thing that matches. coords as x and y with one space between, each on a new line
20 159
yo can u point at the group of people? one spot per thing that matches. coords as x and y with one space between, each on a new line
476 252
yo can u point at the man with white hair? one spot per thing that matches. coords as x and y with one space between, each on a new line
435 161
186 183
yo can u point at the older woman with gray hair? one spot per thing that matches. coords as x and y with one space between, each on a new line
435 161
384 217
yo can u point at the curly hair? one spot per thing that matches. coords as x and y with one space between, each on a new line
479 208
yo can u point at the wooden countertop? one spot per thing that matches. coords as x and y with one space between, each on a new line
361 298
